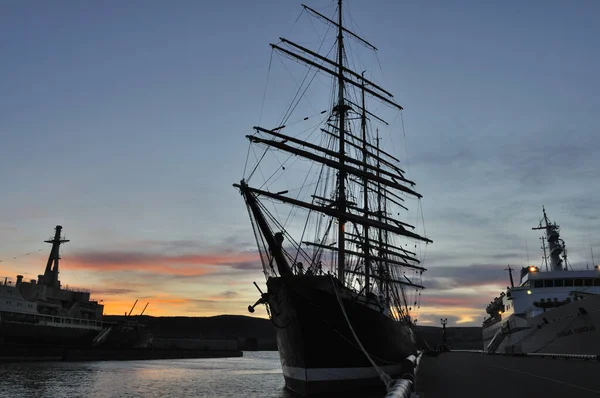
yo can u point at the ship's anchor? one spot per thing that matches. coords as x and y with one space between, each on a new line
262 300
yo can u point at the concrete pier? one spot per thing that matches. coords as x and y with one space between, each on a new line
454 374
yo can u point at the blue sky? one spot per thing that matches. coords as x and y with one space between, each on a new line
125 121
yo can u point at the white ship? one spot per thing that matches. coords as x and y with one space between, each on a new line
551 311
41 314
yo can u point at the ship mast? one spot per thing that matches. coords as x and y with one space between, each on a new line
370 167
367 246
554 242
544 255
341 128
51 273
510 270
380 232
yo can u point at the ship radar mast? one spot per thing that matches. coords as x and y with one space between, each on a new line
51 274
556 245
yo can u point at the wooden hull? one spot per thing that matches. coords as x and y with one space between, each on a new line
319 353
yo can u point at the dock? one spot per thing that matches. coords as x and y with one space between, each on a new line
465 374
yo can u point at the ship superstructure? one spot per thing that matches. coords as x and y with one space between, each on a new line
40 312
552 311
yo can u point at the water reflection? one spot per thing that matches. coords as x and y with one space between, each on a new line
254 375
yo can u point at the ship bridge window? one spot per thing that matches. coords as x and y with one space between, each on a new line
568 282
558 282
578 282
548 283
597 282
588 282
538 283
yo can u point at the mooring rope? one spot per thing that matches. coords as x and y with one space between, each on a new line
385 378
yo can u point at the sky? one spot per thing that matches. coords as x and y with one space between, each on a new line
124 122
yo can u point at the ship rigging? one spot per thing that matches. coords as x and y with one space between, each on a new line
329 208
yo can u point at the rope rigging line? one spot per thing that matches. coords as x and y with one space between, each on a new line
291 108
310 211
385 378
266 87
305 256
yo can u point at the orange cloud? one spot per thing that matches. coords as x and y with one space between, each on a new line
171 305
448 301
182 265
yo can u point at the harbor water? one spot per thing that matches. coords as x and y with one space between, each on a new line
256 374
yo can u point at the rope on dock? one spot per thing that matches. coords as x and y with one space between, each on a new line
401 389
405 386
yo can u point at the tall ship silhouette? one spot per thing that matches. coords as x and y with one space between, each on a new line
41 313
329 204
552 309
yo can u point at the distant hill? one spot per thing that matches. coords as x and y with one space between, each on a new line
259 333
465 338
251 333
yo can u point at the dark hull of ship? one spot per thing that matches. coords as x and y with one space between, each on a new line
319 354
43 335
15 333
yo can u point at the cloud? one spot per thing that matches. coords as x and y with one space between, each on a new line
464 301
109 292
449 277
460 293
226 295
174 265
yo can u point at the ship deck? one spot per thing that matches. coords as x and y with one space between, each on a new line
458 374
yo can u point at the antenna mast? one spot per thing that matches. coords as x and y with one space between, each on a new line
544 256
51 273
510 270
554 243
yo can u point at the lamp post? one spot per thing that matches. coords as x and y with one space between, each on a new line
444 321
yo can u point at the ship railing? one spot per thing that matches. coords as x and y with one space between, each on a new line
47 319
73 322
587 357
76 289
593 357
491 321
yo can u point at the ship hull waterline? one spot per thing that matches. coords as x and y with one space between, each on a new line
318 351
26 334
